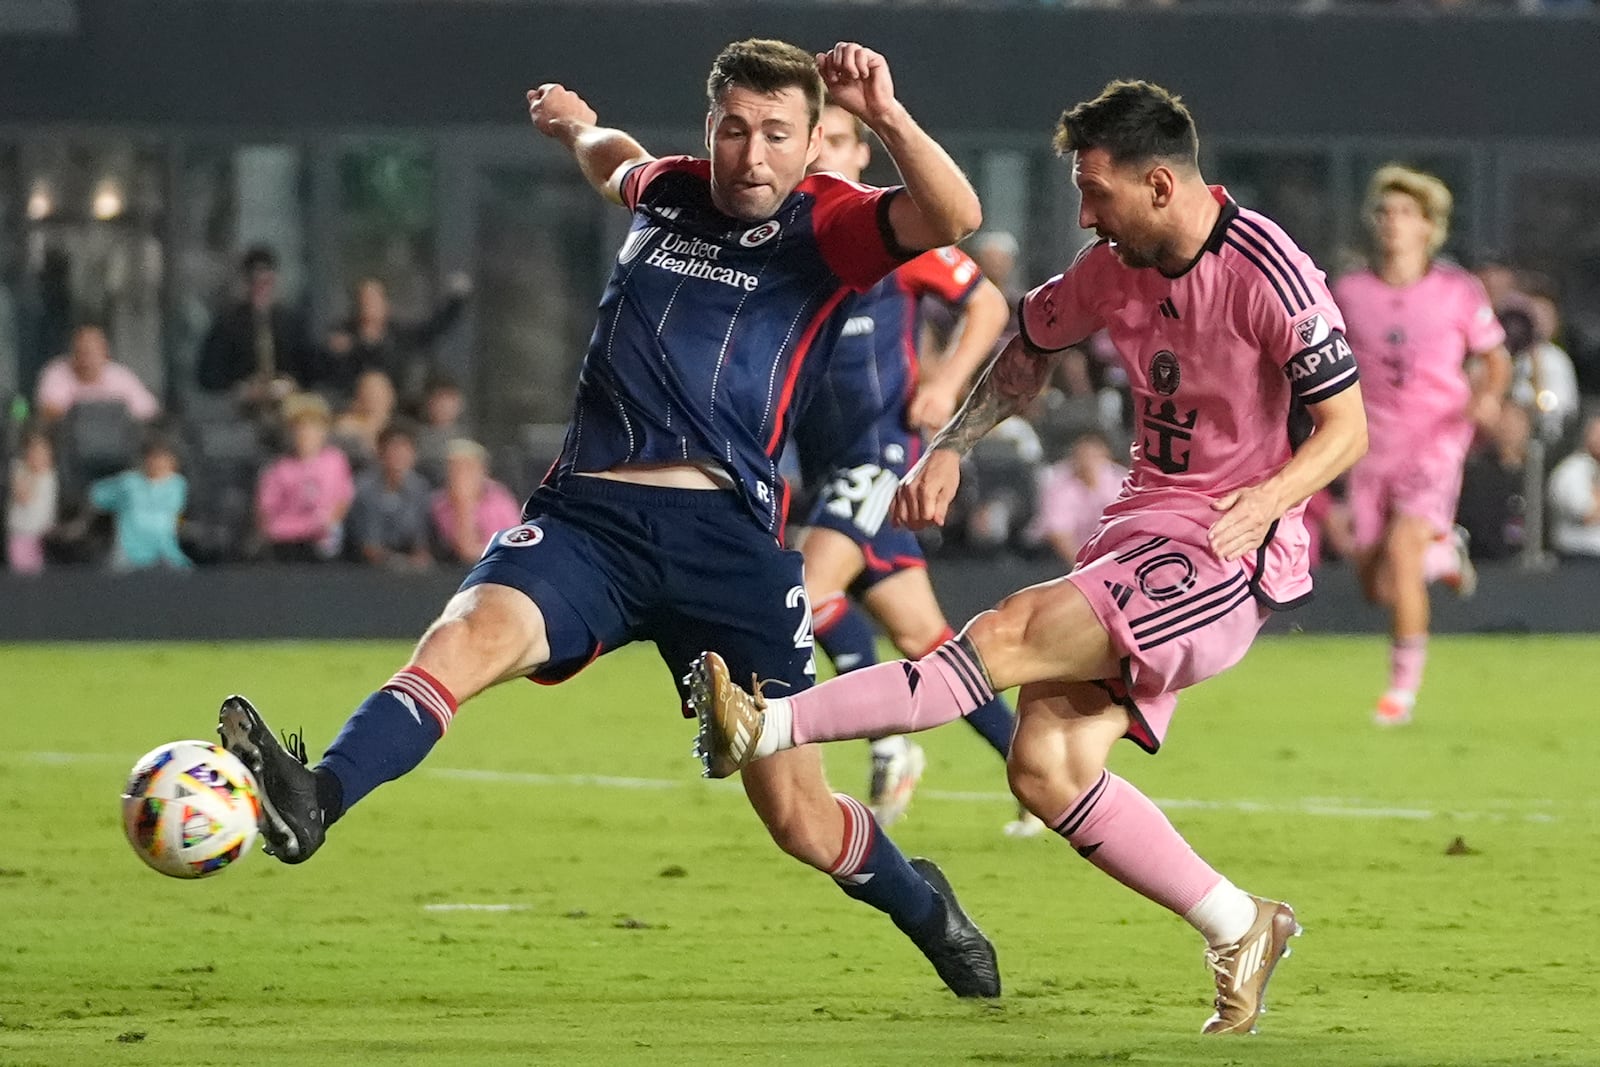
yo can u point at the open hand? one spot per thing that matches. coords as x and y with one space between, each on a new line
1249 514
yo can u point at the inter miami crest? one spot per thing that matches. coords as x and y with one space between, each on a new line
1164 373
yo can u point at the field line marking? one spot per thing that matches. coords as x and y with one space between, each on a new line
1315 807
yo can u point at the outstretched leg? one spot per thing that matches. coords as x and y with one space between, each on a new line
486 634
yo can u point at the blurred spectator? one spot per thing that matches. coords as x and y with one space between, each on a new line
302 497
442 422
995 252
371 340
89 374
31 507
1493 509
358 428
471 506
389 519
1072 494
1002 483
146 505
257 348
1575 498
1543 378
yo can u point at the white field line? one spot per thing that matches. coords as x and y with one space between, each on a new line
1315 807
474 907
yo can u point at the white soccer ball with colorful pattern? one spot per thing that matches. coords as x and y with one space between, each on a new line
190 809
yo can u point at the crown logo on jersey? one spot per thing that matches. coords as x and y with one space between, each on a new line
757 236
1165 374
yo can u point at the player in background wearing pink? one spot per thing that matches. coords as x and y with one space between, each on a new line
1224 326
1434 367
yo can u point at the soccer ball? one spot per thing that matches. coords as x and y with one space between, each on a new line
190 809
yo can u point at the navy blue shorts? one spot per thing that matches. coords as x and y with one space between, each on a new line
611 562
856 502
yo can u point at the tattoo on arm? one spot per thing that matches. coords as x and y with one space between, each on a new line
1012 379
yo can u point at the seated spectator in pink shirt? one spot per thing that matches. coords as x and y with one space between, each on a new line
87 374
472 505
1073 492
302 498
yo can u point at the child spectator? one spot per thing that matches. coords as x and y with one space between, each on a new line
472 505
31 510
302 497
389 519
146 505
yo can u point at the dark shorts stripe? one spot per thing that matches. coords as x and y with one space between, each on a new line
1149 546
1156 620
1243 596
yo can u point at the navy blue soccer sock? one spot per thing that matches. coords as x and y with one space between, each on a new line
387 736
994 722
872 870
845 634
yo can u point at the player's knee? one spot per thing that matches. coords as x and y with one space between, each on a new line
799 835
914 642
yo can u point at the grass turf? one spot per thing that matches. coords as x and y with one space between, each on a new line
649 920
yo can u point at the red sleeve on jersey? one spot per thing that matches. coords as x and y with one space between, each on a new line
1060 313
638 179
946 273
851 223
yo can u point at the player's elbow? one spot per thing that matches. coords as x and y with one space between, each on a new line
966 219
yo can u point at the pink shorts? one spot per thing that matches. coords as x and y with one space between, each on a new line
25 552
1176 614
1425 483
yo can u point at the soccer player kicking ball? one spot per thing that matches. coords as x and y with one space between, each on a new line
857 437
1224 325
661 518
1436 368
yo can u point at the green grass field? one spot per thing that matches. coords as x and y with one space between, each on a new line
646 918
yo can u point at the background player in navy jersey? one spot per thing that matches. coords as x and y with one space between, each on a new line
661 518
857 436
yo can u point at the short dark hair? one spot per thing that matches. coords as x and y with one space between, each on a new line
766 66
396 431
1135 122
259 257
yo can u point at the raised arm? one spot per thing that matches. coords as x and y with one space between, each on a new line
1009 383
979 324
940 207
603 155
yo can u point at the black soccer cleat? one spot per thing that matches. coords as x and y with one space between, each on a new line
964 958
291 816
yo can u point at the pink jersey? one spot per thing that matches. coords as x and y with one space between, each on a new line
1215 358
1412 344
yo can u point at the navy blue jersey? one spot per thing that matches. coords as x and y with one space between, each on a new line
856 415
711 327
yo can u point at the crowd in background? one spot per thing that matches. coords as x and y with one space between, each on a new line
353 446
289 447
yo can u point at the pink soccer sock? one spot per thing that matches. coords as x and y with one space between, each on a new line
1407 657
892 698
1117 828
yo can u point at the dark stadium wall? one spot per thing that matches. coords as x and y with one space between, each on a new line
286 603
322 63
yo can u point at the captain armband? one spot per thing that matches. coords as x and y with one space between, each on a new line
1323 370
